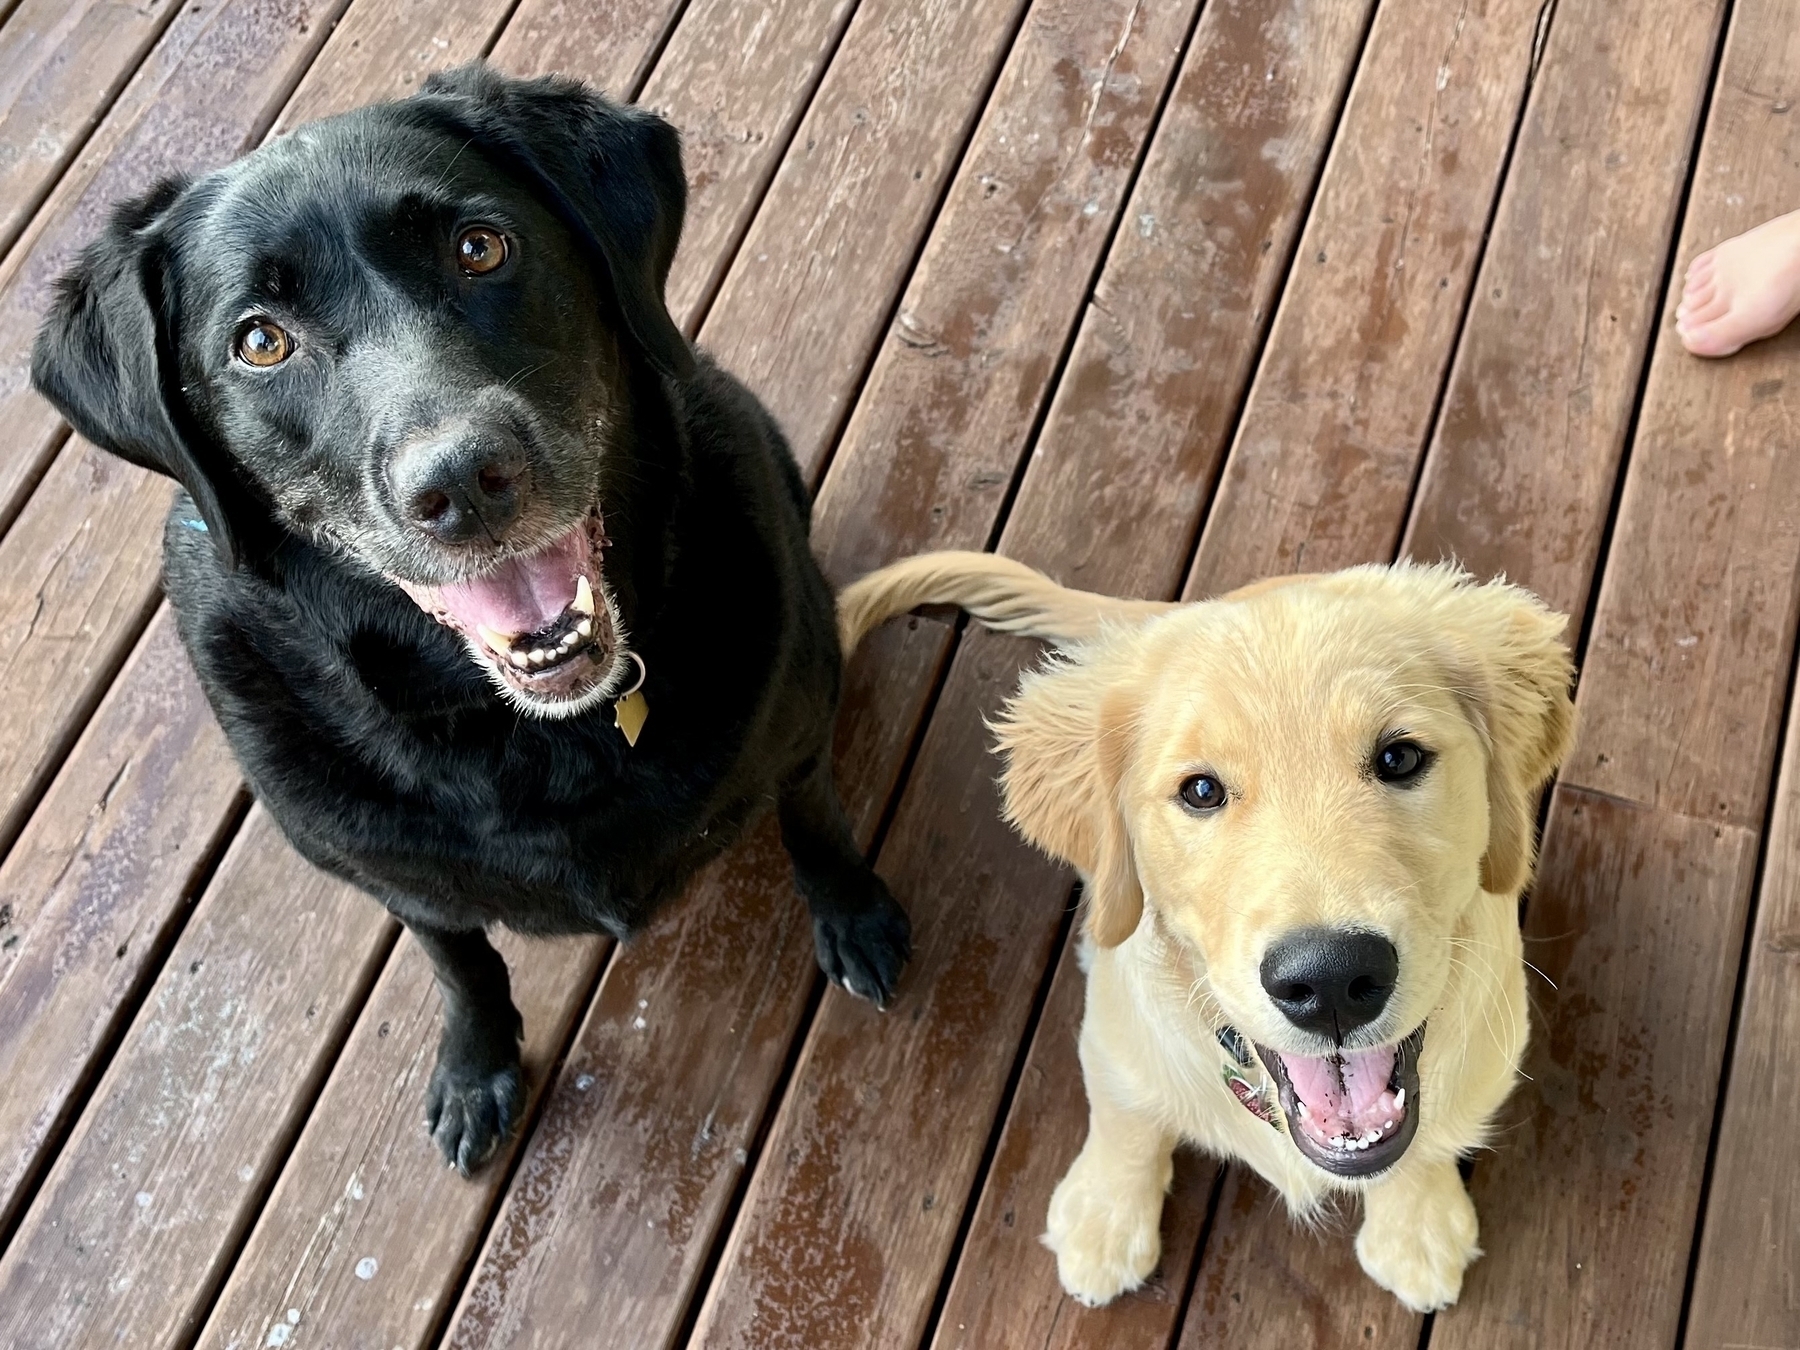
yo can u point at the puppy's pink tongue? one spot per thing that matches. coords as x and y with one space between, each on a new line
525 595
1344 1094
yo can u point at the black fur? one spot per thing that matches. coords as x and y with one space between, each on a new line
384 751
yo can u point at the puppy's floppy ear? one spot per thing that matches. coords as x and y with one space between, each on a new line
1520 691
612 174
105 357
1067 737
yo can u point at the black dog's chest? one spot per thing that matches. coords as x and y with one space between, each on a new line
387 760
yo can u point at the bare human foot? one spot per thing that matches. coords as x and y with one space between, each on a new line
1743 289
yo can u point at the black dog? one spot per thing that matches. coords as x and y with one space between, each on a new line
502 594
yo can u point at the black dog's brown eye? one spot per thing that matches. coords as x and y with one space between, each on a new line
1400 762
480 250
264 344
1202 792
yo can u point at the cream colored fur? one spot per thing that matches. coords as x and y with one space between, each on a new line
1282 690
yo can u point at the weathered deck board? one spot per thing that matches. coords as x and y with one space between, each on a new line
366 1232
1520 474
78 581
208 88
801 310
736 78
94 888
1264 1281
385 49
61 64
1639 912
1588 1209
1322 463
1745 1285
542 1273
947 412
613 46
131 1233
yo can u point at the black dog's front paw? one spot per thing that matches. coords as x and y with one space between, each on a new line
865 949
470 1111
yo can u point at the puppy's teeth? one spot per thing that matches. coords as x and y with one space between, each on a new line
521 660
1302 1107
496 640
539 656
585 628
584 597
1400 1100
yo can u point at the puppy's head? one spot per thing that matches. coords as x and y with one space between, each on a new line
1307 786
411 334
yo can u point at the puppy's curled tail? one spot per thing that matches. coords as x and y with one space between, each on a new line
1005 595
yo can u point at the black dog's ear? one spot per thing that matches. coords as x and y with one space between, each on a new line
105 358
612 174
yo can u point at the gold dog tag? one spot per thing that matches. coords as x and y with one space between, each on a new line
629 715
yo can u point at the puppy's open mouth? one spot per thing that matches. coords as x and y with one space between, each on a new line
1354 1113
542 622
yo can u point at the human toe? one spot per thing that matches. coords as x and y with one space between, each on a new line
1720 337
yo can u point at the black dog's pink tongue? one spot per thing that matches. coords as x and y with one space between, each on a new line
524 595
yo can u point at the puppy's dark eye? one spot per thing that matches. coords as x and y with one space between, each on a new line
264 344
1202 792
480 249
1401 762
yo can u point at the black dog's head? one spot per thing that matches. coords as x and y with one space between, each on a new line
407 334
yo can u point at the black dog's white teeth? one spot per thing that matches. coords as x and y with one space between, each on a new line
574 628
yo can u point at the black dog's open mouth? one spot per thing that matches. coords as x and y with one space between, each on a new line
541 621
1352 1113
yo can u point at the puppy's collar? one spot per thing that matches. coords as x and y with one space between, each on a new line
630 710
1253 1097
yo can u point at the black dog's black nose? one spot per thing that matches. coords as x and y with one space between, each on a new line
464 486
1331 980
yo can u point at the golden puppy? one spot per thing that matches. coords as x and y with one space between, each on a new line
1303 815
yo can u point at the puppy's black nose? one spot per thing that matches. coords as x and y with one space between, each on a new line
465 486
1331 980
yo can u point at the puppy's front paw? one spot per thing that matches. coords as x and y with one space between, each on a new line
865 948
470 1111
1419 1253
1107 1238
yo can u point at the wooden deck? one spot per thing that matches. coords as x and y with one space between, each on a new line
1159 295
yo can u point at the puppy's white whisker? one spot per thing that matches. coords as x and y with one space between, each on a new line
1540 974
